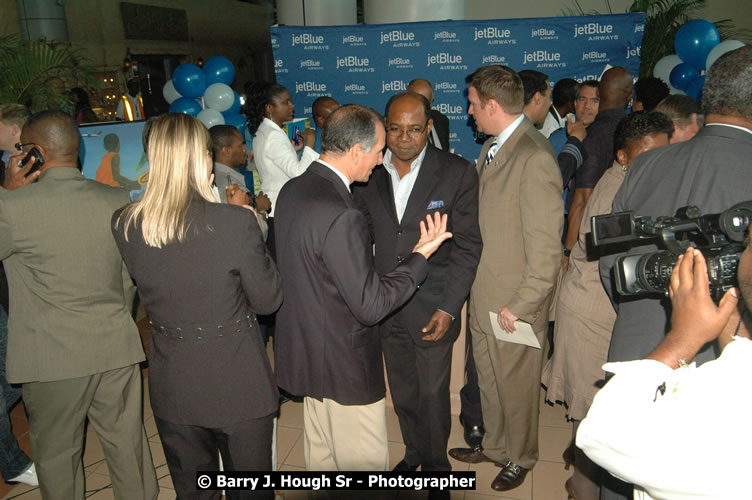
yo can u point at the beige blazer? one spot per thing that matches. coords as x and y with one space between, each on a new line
521 219
70 293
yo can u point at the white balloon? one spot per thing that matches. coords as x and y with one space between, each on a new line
219 96
211 117
169 93
721 49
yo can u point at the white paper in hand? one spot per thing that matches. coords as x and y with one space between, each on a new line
522 335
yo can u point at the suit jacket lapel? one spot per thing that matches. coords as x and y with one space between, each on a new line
428 176
502 155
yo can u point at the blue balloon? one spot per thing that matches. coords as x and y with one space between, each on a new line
185 105
219 69
189 81
695 88
682 75
235 108
695 40
236 120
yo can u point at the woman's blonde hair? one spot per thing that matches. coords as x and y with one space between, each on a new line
179 167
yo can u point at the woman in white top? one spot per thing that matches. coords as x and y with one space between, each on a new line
267 108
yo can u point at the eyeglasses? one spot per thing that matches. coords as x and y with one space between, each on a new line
412 132
20 146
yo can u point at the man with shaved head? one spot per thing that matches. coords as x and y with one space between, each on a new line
439 137
72 343
320 110
615 91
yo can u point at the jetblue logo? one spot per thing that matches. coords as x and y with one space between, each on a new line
449 109
307 110
400 62
492 32
585 78
310 87
494 59
275 43
352 62
355 88
310 64
352 39
639 27
443 58
446 36
307 39
595 31
445 86
544 33
278 63
393 86
452 135
279 66
633 52
593 55
544 59
399 38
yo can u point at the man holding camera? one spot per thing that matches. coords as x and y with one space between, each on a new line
710 171
642 423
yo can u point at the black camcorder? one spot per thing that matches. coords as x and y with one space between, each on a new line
720 237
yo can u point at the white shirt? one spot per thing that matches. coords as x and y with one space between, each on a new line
690 440
276 159
342 176
402 188
552 122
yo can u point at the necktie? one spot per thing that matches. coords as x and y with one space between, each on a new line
491 152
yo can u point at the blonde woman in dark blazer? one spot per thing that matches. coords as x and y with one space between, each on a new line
203 274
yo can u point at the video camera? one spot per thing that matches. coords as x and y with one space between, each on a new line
720 238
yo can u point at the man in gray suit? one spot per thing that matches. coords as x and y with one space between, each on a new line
72 341
711 171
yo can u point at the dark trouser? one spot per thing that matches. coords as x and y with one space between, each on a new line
245 446
419 382
470 409
13 461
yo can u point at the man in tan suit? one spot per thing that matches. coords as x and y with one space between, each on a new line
72 342
521 223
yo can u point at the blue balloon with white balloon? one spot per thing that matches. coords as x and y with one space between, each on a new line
695 40
219 69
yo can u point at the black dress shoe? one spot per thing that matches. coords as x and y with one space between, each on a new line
473 433
471 456
403 466
510 477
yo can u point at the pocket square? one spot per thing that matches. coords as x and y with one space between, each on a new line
435 204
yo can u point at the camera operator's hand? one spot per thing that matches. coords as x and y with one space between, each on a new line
695 319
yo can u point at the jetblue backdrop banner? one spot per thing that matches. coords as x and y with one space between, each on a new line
366 64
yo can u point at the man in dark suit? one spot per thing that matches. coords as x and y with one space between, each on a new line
439 136
72 341
417 339
710 171
327 349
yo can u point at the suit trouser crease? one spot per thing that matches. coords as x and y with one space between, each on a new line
112 400
419 379
509 379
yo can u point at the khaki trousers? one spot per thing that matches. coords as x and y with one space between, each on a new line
112 401
509 377
345 438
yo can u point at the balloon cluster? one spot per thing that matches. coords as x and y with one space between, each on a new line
698 45
205 93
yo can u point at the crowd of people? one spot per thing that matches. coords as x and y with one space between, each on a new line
359 249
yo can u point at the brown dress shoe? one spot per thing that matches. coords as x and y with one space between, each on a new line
510 477
471 456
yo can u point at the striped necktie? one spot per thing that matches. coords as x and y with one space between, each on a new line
491 152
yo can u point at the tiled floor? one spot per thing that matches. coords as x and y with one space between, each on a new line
545 482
